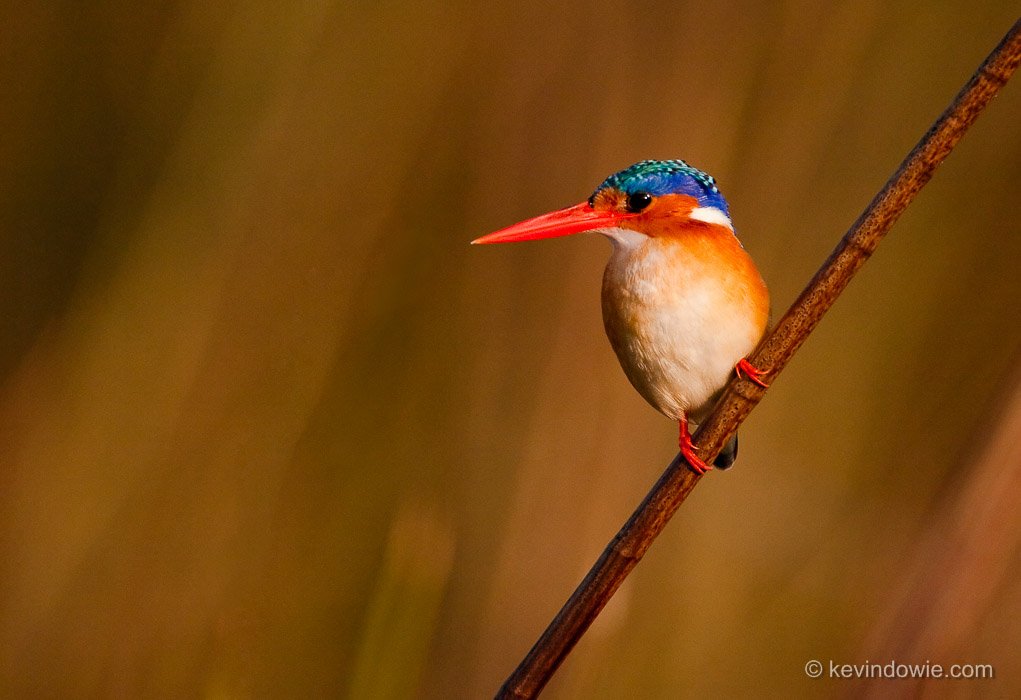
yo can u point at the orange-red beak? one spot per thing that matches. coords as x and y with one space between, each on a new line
577 219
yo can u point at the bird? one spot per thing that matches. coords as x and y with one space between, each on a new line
683 303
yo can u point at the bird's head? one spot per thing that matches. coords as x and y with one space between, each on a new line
653 198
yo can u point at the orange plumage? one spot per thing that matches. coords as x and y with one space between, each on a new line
683 303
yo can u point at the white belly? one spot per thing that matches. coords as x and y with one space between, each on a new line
678 328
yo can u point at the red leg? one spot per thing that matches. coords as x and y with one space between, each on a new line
754 373
688 450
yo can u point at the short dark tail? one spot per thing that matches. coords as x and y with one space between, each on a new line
728 455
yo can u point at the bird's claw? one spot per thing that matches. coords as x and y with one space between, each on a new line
754 374
696 463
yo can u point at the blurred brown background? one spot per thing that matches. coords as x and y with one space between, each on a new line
269 427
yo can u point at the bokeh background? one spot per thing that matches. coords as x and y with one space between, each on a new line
269 427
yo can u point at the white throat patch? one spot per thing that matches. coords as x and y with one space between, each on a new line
623 238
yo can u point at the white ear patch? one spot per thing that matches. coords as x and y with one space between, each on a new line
711 215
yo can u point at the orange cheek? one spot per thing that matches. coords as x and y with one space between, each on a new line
666 216
672 205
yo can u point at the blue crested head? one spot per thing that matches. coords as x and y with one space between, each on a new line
659 177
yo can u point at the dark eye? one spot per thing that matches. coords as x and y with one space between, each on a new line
638 201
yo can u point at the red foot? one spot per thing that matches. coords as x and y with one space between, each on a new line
754 373
688 450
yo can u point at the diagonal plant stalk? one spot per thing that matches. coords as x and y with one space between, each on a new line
741 396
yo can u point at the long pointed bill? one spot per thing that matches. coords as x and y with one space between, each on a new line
576 219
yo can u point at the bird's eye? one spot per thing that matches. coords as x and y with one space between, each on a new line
638 201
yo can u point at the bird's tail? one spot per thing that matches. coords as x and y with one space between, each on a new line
728 455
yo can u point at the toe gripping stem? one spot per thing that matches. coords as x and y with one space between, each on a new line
696 463
754 374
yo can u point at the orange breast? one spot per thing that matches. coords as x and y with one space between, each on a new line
681 307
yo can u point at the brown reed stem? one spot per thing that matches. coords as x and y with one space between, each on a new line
623 553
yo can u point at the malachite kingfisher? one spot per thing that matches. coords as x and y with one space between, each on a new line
683 303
